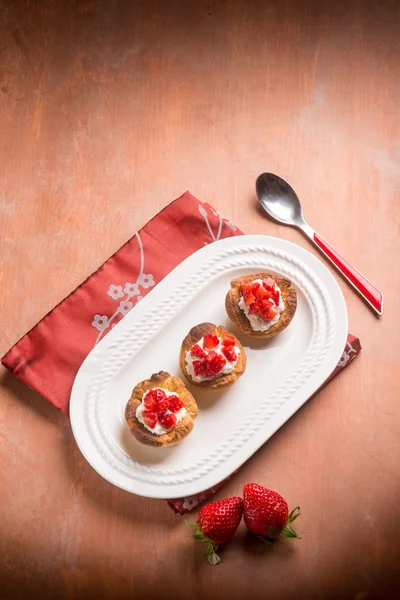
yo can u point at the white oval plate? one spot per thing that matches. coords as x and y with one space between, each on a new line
281 373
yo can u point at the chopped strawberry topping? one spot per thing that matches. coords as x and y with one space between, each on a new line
269 284
161 406
168 420
229 354
149 403
255 307
215 363
210 366
199 368
261 300
157 394
275 297
174 404
266 304
228 340
246 287
248 297
269 313
197 351
153 399
211 355
150 418
210 341
262 293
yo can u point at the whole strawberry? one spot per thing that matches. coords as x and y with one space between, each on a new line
216 524
266 513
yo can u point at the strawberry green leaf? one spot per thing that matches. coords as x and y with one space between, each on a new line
287 531
293 515
191 524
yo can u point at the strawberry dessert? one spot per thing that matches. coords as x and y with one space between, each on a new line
211 357
160 410
262 303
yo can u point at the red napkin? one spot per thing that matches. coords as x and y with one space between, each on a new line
48 357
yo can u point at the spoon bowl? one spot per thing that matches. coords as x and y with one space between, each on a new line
279 200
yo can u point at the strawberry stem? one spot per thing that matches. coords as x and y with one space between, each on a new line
211 552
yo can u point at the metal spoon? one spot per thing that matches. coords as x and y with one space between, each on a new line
282 204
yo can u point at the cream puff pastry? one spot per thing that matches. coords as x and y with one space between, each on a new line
161 411
211 357
261 305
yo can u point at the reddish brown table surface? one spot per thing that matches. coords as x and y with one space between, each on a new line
108 111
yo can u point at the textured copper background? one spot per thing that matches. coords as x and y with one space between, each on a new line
109 110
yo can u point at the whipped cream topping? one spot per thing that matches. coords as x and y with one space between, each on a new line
256 322
159 429
228 368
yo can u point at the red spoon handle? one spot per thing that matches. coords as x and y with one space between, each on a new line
365 287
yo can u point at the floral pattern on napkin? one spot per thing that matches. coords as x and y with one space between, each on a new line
127 291
129 294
